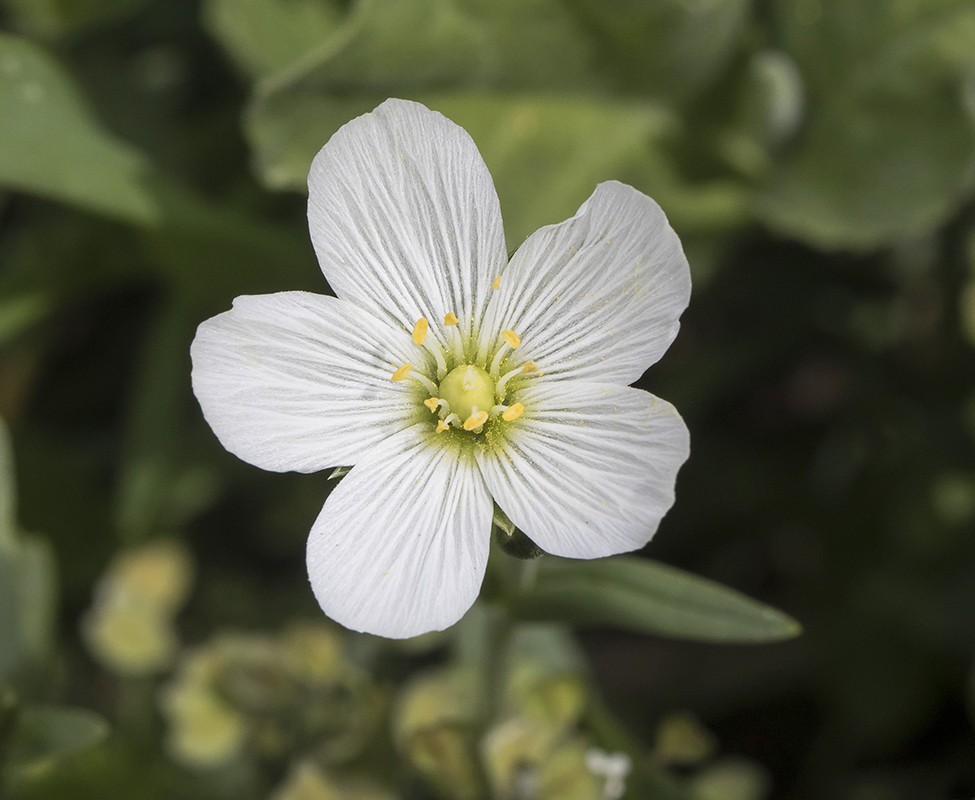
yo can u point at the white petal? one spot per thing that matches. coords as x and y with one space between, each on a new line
401 545
299 381
598 296
589 469
404 217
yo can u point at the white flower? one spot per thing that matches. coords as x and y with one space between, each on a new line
450 378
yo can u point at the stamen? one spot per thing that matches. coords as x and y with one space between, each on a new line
496 361
402 372
513 412
450 320
442 426
420 330
476 419
497 283
450 419
499 389
428 384
441 361
512 340
432 403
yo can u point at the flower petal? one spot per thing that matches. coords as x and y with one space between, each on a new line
299 381
589 469
598 296
401 545
404 217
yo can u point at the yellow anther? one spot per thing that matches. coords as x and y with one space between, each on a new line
497 283
432 403
531 366
420 330
442 426
450 318
475 420
402 372
513 412
512 338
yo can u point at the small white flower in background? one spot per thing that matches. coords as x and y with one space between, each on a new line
614 767
450 378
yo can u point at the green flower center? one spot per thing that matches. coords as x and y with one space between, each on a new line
468 388
468 395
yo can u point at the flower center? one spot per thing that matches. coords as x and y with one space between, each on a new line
468 389
468 395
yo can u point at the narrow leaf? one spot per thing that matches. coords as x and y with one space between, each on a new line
45 733
648 597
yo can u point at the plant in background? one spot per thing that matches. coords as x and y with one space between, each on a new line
131 627
268 697
450 378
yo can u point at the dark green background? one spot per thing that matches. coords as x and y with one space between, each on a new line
817 158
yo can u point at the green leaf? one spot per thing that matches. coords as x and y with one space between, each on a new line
44 734
264 36
648 597
28 596
51 145
19 313
667 48
55 18
37 579
388 46
10 638
8 491
520 76
28 584
889 149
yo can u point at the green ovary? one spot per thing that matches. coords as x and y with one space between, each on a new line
466 387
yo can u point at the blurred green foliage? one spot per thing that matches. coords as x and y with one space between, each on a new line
817 158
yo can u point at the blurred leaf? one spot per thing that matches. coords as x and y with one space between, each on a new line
770 109
37 578
28 585
19 313
667 48
51 145
390 46
8 491
552 647
731 778
28 593
264 36
546 153
10 640
54 18
46 733
889 149
642 595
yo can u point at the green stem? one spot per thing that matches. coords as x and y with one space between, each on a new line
497 662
